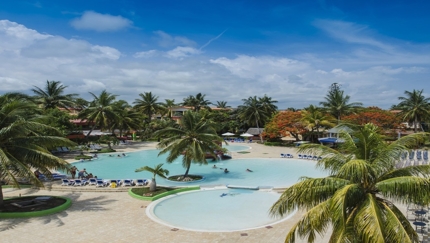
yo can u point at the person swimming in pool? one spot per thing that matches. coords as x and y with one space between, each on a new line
226 171
214 167
248 170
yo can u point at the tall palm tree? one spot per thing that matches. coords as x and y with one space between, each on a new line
156 171
253 112
148 105
53 96
127 119
197 102
268 104
313 119
415 107
23 145
101 112
356 198
337 103
192 139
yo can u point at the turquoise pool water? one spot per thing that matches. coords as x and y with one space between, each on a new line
215 210
266 172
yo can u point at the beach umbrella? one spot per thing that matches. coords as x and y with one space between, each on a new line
246 135
228 134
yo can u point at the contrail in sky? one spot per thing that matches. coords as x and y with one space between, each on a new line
207 43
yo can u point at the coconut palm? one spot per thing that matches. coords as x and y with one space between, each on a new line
337 104
53 96
156 171
253 112
23 147
127 119
268 104
197 102
192 139
313 119
168 107
415 107
356 198
148 105
101 112
222 104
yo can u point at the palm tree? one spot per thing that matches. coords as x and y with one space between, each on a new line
101 112
157 170
193 138
197 102
253 112
148 105
268 104
356 199
415 107
222 104
168 107
127 119
52 96
23 145
337 104
313 119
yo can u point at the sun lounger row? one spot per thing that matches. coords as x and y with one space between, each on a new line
104 183
310 157
61 150
287 156
55 176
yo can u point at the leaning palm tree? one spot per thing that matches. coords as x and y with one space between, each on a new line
337 104
23 145
356 199
101 112
53 96
415 107
157 170
192 139
148 105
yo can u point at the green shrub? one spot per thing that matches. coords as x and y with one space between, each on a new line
83 157
145 190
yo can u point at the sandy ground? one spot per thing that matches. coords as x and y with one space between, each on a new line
117 217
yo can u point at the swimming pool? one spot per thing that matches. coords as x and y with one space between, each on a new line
215 210
266 172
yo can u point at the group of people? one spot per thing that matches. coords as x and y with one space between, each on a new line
119 155
82 174
226 170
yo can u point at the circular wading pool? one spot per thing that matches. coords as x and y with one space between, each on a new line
219 210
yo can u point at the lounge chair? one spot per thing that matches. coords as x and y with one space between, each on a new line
426 155
304 156
127 182
65 149
67 182
411 155
419 157
141 182
60 150
315 157
79 182
101 183
283 155
92 181
300 156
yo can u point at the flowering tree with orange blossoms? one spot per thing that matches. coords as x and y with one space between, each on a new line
285 123
375 115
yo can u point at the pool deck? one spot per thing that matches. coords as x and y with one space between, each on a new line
114 216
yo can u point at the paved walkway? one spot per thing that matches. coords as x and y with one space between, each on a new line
117 217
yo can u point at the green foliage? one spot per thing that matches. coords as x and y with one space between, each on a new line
52 96
355 200
415 107
337 103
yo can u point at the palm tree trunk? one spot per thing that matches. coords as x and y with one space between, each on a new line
153 185
415 124
188 169
1 196
91 129
258 128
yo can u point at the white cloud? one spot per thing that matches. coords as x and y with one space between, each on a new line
181 52
91 20
165 40
145 54
30 58
351 32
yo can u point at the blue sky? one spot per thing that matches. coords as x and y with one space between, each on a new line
228 50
